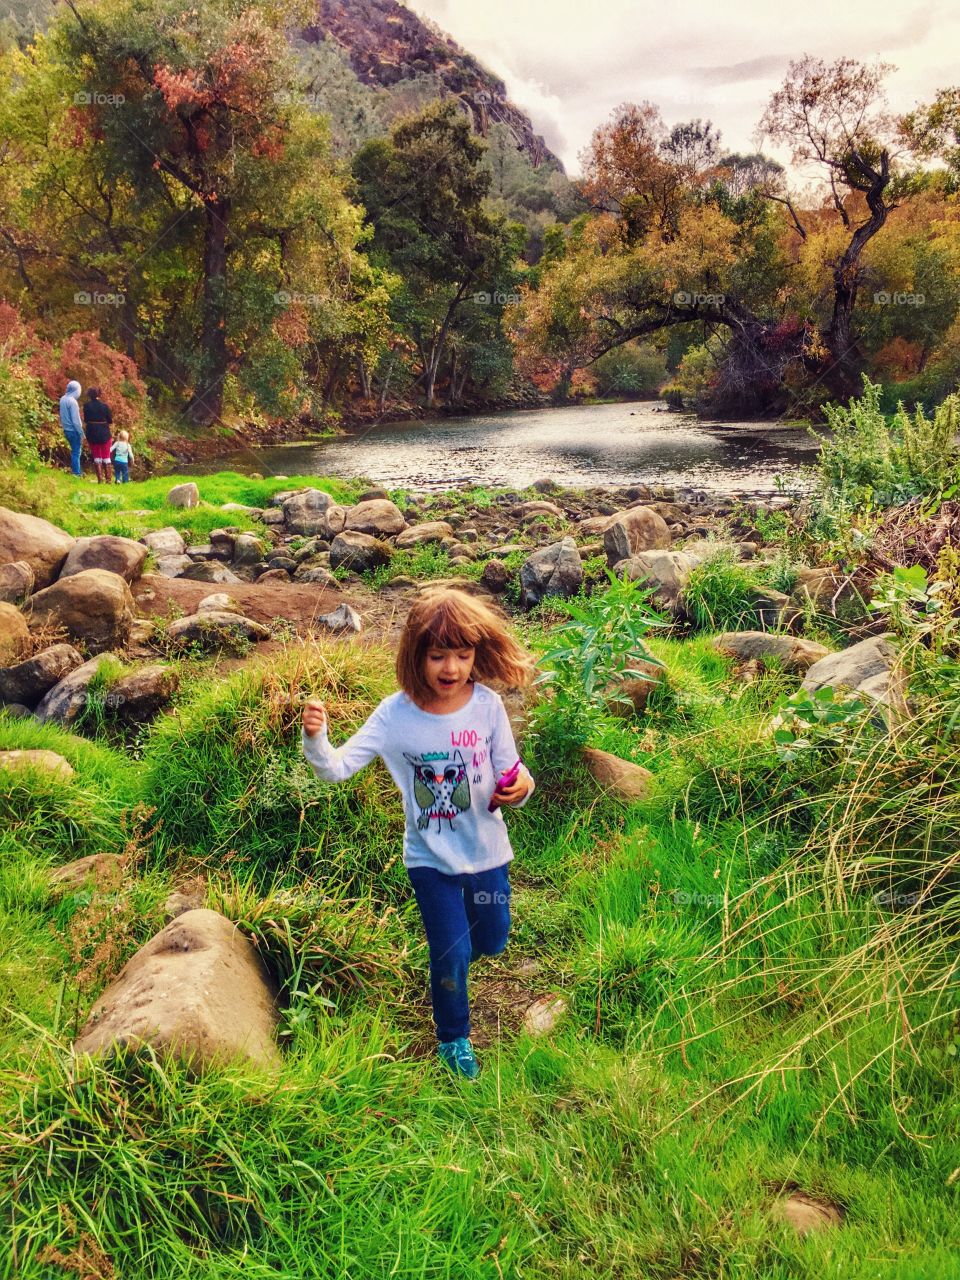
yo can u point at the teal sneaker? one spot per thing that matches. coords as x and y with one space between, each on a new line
458 1055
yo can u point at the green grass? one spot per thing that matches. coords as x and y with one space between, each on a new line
83 508
744 1016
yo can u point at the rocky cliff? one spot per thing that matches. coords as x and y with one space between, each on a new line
386 43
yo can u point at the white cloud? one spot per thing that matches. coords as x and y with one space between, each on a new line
568 64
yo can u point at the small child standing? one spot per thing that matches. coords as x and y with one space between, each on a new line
122 453
447 742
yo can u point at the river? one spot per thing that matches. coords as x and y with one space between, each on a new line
578 445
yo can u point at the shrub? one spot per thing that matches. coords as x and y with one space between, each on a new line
868 461
721 593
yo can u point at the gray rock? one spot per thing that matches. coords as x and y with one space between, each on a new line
141 695
265 574
95 606
215 630
67 699
343 618
184 495
30 680
316 573
664 571
248 549
164 542
122 556
543 1015
864 668
197 990
553 571
359 551
378 517
209 571
37 542
219 602
16 582
495 576
173 566
430 531
48 761
311 511
635 530
795 655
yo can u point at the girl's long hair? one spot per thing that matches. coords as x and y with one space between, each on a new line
445 618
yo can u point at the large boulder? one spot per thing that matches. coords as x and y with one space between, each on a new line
248 549
379 517
47 761
311 511
164 542
666 572
198 990
39 543
619 778
865 668
556 570
95 606
209 571
359 551
122 556
17 580
632 531
215 630
430 531
139 696
14 634
794 654
29 680
67 699
173 566
184 495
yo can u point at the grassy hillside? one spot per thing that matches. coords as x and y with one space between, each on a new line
747 1014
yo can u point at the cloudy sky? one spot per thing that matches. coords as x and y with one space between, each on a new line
569 63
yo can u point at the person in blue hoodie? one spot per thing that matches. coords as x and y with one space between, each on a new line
72 424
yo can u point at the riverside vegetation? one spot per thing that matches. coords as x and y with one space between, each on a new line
758 957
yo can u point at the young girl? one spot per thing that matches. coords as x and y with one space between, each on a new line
122 453
447 741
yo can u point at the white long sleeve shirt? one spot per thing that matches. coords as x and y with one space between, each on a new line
446 767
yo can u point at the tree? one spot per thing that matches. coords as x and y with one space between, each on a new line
423 189
835 118
196 119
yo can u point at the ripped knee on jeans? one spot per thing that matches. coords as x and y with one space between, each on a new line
449 983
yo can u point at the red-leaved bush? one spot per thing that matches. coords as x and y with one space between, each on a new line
81 355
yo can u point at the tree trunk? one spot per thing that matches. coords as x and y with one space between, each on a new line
207 402
843 374
364 373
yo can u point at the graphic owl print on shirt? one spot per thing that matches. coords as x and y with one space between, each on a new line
440 786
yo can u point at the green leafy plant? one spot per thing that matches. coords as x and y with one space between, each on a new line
721 593
813 721
598 647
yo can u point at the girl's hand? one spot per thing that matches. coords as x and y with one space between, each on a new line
515 793
314 716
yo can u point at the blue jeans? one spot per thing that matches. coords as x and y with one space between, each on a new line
465 916
75 440
121 471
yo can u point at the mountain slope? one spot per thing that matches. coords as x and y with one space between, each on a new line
386 43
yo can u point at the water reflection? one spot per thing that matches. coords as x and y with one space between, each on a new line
583 445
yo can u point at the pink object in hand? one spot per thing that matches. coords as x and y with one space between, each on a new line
504 781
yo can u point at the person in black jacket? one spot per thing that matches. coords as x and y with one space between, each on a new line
97 420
